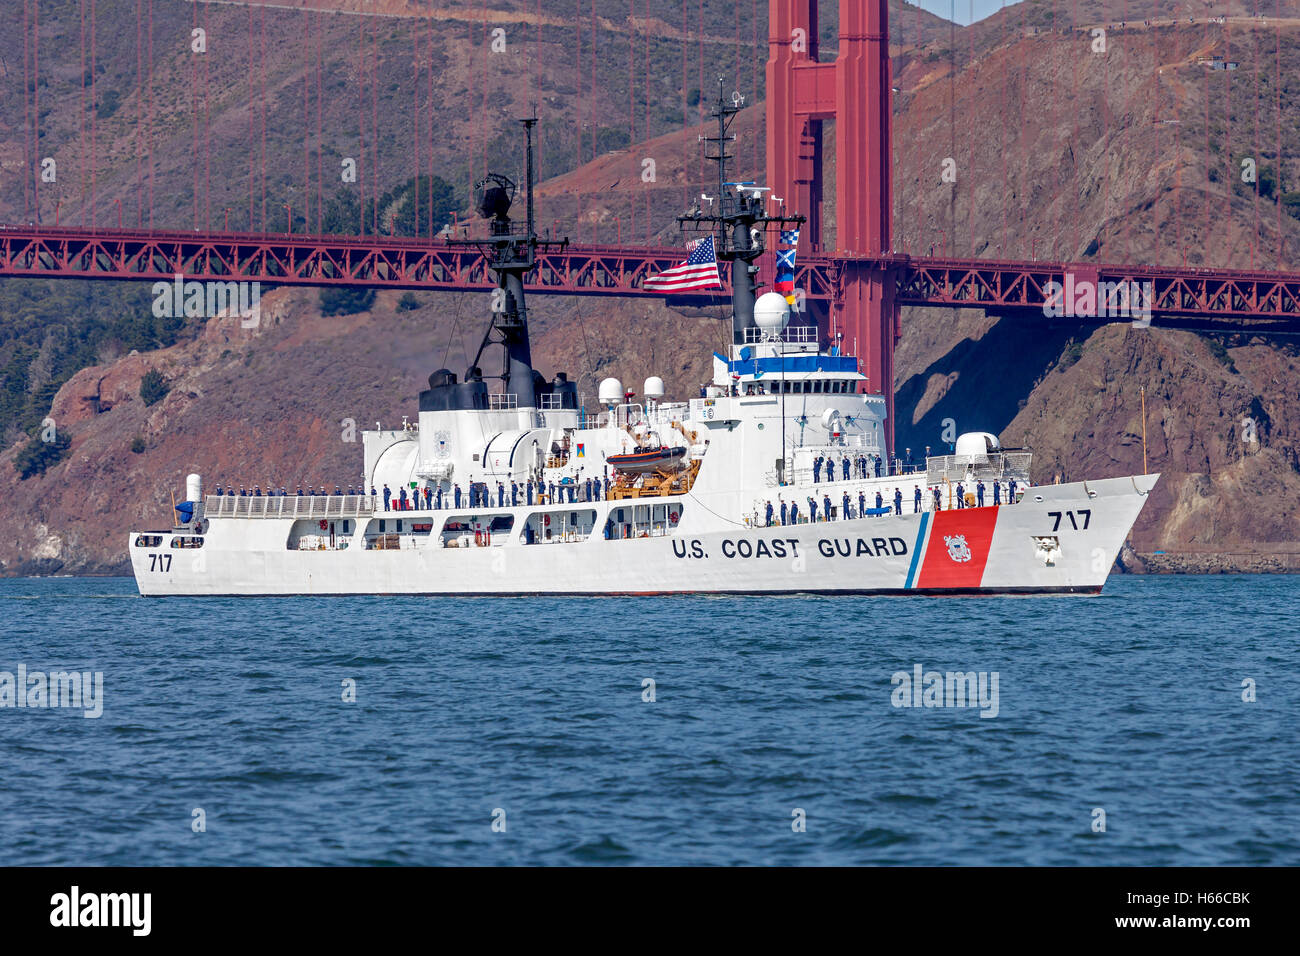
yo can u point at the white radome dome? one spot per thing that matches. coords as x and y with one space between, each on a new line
611 392
771 312
654 388
977 444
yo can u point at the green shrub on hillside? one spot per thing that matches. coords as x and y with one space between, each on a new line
345 300
38 455
153 387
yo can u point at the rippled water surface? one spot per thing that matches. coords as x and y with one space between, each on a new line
1130 702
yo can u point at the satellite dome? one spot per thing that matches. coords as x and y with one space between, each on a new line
977 444
611 392
771 312
654 388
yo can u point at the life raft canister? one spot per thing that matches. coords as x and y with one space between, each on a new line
672 517
546 520
323 524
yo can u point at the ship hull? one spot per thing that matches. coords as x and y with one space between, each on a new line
1060 539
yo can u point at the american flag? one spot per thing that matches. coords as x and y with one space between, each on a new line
699 271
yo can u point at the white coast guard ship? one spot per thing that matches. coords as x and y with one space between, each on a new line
767 483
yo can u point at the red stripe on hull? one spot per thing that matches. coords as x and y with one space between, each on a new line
958 548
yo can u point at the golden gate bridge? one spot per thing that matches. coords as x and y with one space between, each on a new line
863 281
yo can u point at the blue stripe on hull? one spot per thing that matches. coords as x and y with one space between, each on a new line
916 549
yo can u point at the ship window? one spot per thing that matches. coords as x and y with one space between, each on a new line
548 527
187 542
643 521
148 540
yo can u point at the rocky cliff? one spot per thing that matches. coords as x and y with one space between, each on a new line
1134 155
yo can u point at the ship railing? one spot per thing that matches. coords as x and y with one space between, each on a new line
289 506
997 466
791 333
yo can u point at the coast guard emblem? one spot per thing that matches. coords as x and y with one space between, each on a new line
958 549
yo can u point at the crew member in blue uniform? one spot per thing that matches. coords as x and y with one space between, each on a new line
455 493
979 493
817 469
794 512
878 466
847 513
845 468
938 499
501 494
1011 493
769 514
916 500
880 501
898 502
961 496
826 507
812 510
862 504
997 493
388 495
401 498
784 513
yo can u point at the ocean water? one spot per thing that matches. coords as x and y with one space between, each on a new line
766 713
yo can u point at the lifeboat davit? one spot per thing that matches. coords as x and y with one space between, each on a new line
649 459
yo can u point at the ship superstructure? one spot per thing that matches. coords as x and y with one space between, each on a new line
775 478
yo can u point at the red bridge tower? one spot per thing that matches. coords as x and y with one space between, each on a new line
854 92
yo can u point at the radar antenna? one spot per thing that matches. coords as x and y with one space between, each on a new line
512 256
739 222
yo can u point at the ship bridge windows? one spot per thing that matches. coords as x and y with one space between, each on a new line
187 541
643 521
148 540
814 386
558 525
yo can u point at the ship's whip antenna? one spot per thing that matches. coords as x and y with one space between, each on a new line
740 220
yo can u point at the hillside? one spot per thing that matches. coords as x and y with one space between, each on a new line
1128 158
